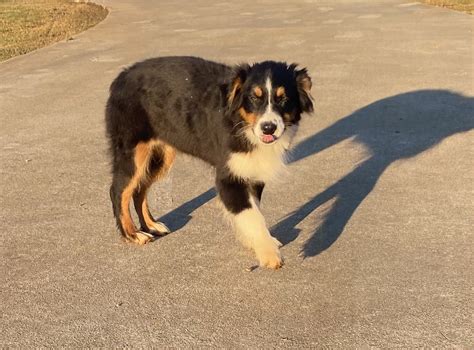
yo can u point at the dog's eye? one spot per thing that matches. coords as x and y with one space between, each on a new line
254 98
280 100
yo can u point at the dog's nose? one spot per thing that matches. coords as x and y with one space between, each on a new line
268 128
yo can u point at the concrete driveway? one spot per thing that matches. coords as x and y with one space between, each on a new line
376 212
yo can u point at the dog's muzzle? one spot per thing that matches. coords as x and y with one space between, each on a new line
269 128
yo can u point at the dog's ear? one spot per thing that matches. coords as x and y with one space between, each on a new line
303 83
234 95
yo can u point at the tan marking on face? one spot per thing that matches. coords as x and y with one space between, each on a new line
250 118
258 91
280 91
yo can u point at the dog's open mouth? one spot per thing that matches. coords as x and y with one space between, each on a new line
268 138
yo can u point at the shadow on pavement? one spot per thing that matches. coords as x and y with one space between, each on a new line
394 128
179 217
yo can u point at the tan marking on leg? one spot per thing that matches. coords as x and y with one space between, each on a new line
138 199
130 231
250 118
169 157
141 160
146 180
149 220
157 227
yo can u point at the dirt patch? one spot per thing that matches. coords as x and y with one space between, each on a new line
459 5
26 25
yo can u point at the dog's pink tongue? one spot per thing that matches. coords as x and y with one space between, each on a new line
267 138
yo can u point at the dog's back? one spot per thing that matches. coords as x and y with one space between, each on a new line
174 99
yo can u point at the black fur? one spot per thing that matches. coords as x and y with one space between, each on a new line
193 105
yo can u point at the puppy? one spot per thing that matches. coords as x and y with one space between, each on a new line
239 119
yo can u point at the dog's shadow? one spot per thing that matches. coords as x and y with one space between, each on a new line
179 217
394 128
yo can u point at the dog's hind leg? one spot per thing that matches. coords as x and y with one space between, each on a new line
159 161
123 170
130 171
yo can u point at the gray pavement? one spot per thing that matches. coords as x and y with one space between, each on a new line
375 212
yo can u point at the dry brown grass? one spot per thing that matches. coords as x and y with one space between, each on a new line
459 5
26 25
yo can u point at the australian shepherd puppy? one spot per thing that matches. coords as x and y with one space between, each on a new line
239 119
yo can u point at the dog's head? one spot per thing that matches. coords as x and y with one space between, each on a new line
269 98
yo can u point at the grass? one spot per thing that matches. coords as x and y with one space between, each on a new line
26 25
459 5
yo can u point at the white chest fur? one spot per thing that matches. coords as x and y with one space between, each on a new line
262 164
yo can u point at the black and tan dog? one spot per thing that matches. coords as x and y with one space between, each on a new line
239 119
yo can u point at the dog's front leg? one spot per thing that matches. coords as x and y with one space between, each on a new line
248 221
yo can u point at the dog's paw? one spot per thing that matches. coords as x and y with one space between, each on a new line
139 238
159 229
269 255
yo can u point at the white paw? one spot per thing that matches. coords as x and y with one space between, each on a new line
160 229
268 254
